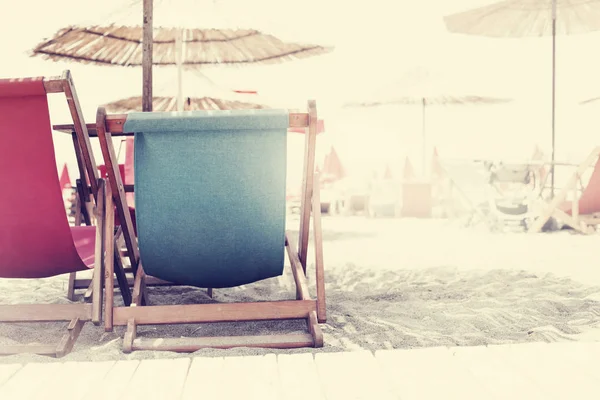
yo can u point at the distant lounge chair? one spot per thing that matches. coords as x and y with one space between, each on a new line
580 212
36 240
513 190
210 208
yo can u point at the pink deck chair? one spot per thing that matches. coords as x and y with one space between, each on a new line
589 202
36 240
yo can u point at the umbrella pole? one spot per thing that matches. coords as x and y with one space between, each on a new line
553 94
424 144
147 42
179 62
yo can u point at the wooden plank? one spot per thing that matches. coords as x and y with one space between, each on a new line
191 344
75 381
298 377
158 379
79 127
255 378
302 292
150 281
318 240
559 378
115 122
428 373
307 183
199 313
497 376
98 274
85 188
44 312
352 375
30 381
205 379
41 349
109 260
116 188
53 84
7 371
114 382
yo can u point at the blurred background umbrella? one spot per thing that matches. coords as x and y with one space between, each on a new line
424 88
333 170
186 34
523 18
589 101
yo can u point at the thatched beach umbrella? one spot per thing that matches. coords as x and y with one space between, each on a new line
526 18
185 34
423 88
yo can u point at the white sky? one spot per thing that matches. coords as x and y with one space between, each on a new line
376 42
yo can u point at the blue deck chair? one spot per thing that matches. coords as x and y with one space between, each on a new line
210 212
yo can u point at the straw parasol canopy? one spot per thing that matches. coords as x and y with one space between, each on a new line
169 103
526 18
424 88
186 34
122 46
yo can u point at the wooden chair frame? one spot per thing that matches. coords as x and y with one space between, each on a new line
87 186
304 307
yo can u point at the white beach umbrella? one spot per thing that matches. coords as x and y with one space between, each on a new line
526 18
424 88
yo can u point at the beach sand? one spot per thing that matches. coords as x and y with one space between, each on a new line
391 283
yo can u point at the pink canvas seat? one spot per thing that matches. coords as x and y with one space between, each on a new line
35 238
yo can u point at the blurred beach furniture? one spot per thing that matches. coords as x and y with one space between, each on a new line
526 18
575 205
513 189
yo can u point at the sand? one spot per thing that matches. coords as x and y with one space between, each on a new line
391 283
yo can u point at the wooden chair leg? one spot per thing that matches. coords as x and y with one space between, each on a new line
73 275
71 287
130 335
89 291
318 238
209 292
122 278
139 294
68 340
315 329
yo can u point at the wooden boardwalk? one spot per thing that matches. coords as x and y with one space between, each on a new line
527 371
